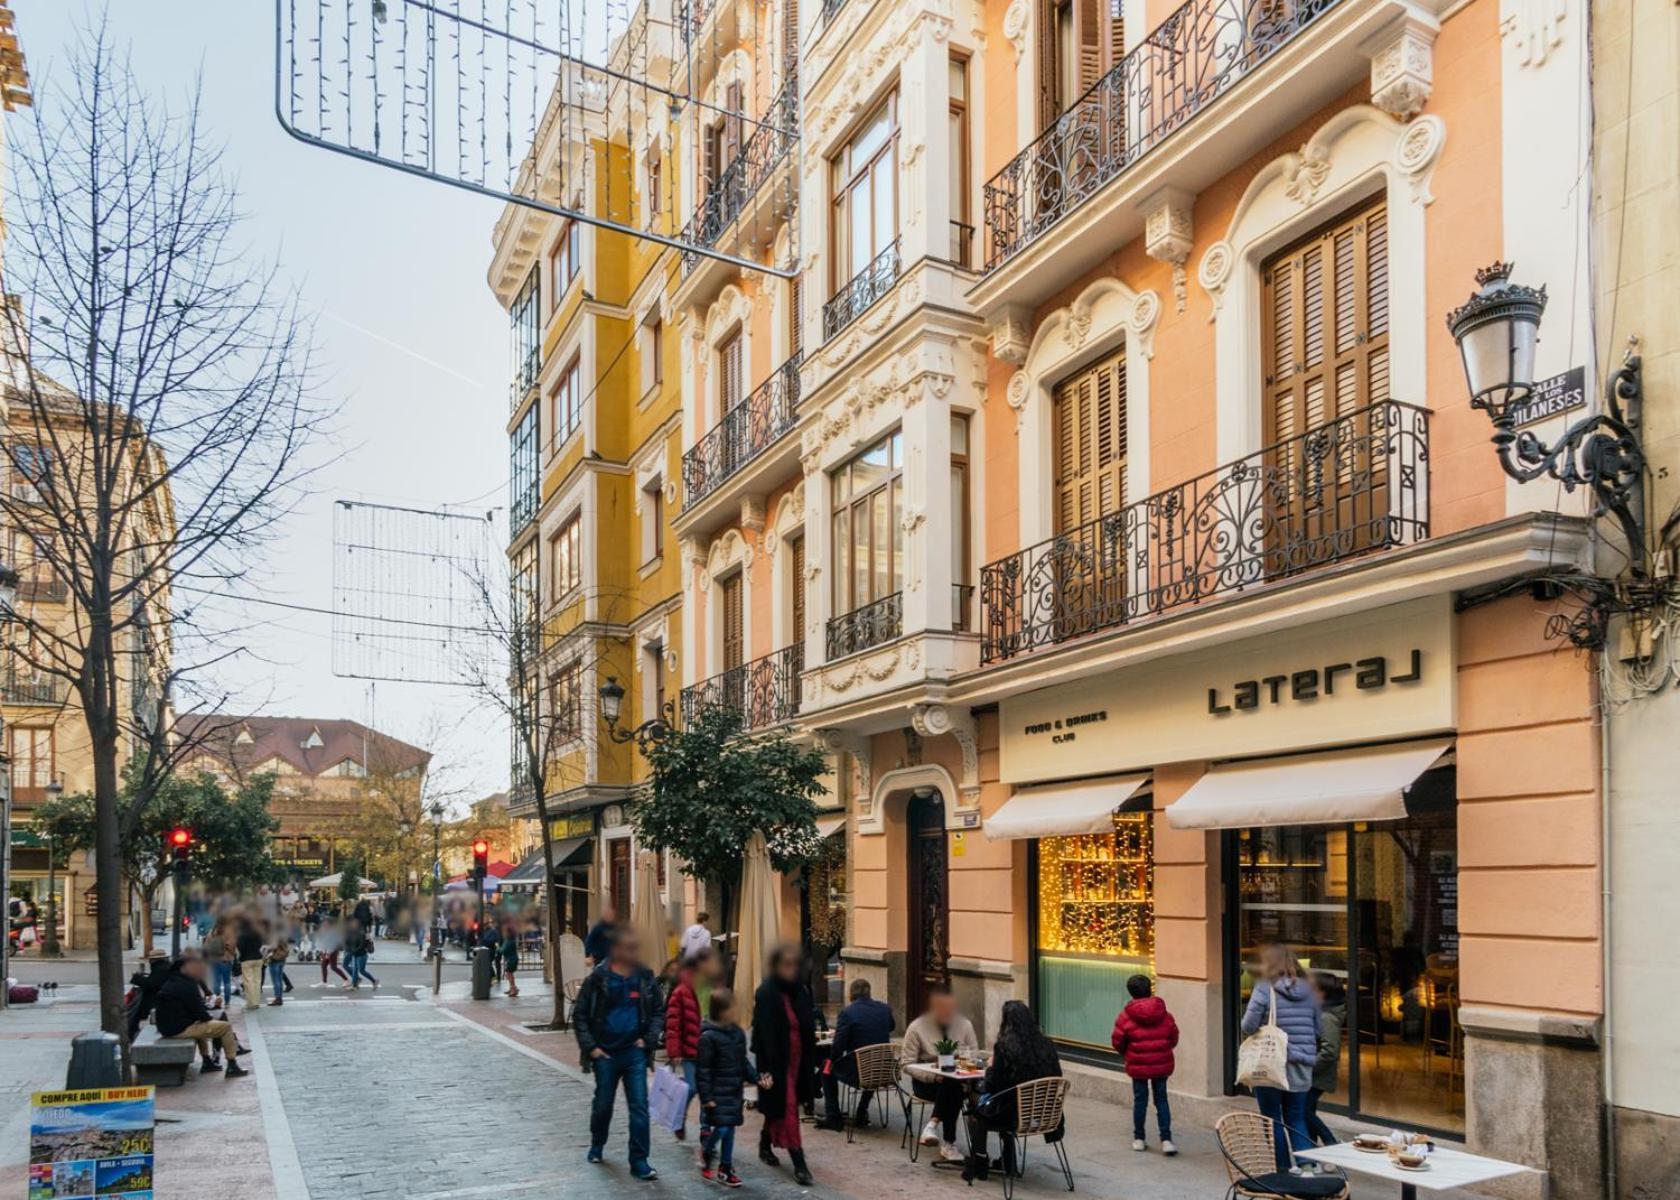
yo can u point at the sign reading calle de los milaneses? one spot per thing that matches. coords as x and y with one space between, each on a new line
1388 673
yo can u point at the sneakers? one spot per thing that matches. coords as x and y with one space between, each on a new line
1139 1144
706 1170
644 1172
594 1155
930 1134
728 1178
949 1153
1168 1148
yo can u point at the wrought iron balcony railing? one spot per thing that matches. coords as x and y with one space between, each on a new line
34 587
691 16
766 148
831 9
1352 486
872 625
746 431
765 691
25 689
1192 58
864 288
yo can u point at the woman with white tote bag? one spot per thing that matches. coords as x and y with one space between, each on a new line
1283 1000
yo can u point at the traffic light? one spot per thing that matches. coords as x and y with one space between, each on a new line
180 842
481 859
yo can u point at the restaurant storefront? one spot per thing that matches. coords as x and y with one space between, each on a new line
1312 801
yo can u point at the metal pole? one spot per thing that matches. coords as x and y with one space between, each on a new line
5 868
176 885
49 941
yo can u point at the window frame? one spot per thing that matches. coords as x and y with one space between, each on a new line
844 593
565 701
566 250
846 178
565 558
565 403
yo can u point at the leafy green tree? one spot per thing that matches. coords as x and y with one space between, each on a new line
711 789
230 833
350 880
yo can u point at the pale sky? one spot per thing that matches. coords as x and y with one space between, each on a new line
416 349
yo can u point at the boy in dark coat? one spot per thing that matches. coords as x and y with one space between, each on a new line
721 1071
1144 1035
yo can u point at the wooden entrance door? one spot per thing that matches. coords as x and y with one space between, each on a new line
929 950
618 876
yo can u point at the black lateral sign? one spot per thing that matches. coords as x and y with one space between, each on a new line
1552 397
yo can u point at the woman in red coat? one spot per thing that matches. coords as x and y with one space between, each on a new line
682 1034
1144 1035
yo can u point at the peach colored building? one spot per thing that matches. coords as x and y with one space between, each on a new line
1104 497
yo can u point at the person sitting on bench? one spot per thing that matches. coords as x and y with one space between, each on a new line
181 1013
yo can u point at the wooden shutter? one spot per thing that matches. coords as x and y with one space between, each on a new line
1089 443
1049 98
797 583
729 366
796 326
1088 22
733 100
1325 325
733 641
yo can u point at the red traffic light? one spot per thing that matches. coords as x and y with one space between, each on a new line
481 848
180 838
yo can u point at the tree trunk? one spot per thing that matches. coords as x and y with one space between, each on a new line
558 1019
108 880
147 944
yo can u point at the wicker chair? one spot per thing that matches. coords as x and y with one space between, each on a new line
1246 1142
1038 1113
877 1075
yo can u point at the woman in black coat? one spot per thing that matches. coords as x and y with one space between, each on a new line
784 1045
1020 1055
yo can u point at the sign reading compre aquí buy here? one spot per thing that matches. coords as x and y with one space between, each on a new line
89 1144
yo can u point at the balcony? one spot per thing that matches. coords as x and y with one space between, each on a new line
41 690
765 691
36 587
864 628
867 286
745 432
1350 487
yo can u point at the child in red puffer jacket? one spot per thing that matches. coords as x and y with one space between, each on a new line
1144 1035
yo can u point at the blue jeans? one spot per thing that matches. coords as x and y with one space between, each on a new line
719 1141
1288 1114
629 1066
221 980
359 971
1141 1088
688 1078
1316 1128
277 978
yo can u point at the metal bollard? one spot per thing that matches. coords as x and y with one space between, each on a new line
95 1062
481 973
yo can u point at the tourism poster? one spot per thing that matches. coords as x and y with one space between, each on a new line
91 1145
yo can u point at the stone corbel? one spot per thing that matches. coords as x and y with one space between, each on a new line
931 720
1402 64
1168 234
752 513
694 549
838 741
1012 335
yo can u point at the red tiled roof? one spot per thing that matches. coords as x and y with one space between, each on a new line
287 738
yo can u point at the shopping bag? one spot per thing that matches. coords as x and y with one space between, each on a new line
668 1101
1263 1057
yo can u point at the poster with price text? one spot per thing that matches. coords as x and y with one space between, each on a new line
91 1144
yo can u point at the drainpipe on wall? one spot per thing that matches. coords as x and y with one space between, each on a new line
1607 1054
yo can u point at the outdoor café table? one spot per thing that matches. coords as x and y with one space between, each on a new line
1447 1168
933 1073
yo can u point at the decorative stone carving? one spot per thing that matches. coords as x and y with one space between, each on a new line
1402 65
1140 325
1168 234
1015 19
933 720
693 549
1416 151
1020 386
839 741
1215 272
1012 335
1304 173
1536 28
752 513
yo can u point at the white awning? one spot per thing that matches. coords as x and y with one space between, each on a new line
830 825
1365 784
1062 809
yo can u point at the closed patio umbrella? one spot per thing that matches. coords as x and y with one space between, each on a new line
647 912
759 924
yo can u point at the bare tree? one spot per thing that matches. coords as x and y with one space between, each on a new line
531 674
160 391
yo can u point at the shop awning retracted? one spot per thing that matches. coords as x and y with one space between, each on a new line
1064 809
1364 784
830 824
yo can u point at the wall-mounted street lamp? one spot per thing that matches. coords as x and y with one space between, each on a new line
652 730
1497 330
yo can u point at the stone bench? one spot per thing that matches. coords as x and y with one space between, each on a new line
159 1060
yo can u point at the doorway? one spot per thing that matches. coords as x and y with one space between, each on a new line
618 876
928 961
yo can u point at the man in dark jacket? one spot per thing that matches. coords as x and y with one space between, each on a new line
181 1013
618 1017
597 943
866 1021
